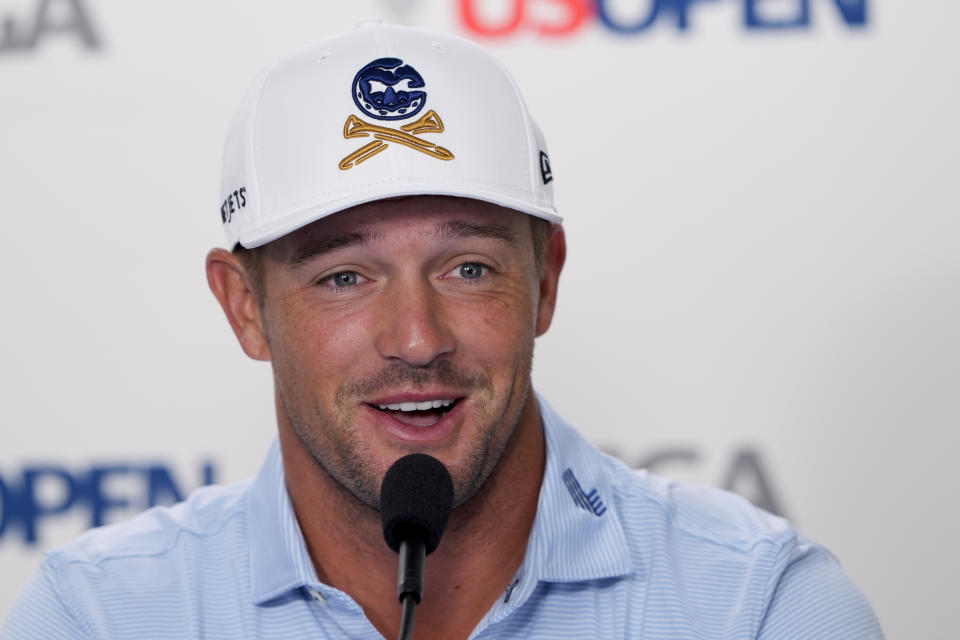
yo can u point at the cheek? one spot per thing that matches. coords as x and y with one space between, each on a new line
496 333
320 345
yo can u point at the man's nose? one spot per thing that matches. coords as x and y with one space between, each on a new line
413 324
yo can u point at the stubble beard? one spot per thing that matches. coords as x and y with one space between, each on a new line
338 450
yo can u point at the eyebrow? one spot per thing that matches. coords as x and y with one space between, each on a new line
308 251
464 229
450 229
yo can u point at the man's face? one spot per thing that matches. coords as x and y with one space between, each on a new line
400 326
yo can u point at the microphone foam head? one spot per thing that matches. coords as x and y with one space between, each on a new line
415 501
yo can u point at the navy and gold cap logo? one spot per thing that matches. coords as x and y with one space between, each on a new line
388 89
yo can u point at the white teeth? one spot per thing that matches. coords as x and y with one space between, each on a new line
426 405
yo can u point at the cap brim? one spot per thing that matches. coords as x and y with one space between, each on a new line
311 213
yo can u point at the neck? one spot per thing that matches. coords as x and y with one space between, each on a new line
479 554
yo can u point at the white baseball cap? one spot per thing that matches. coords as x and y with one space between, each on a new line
379 112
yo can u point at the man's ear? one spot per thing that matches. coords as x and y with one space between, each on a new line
234 290
554 255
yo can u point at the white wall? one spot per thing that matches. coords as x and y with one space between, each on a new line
763 271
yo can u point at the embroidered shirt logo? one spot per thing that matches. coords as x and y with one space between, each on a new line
387 89
589 501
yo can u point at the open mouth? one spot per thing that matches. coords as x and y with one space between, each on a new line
418 414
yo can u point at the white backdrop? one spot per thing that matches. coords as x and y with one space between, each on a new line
762 290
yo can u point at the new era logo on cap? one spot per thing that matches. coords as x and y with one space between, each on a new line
546 174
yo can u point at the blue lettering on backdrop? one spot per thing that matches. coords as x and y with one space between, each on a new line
645 20
642 24
25 507
33 510
852 12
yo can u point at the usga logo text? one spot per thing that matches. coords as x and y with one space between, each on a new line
63 19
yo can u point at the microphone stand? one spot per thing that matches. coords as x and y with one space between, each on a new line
413 554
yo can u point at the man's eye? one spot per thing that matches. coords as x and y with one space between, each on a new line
471 270
344 279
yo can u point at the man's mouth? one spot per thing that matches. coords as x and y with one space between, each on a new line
418 414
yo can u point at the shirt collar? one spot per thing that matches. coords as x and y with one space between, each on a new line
279 560
577 533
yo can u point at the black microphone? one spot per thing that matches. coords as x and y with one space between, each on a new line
415 501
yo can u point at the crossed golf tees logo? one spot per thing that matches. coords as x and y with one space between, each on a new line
387 89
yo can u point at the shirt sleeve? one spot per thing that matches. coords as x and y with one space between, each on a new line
814 598
39 612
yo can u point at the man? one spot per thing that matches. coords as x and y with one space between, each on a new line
395 253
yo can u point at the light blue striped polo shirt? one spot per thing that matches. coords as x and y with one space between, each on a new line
613 554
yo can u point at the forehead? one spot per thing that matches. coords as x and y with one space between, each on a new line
402 219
